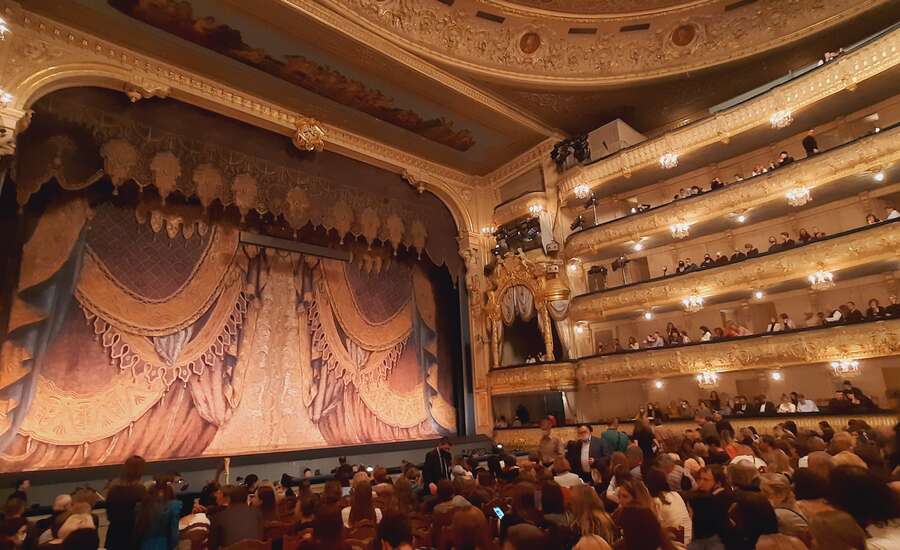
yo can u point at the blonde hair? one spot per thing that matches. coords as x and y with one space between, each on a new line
590 515
836 530
848 458
777 487
75 522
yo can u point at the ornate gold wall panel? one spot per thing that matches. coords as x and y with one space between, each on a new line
537 48
860 341
873 244
843 73
878 149
528 438
534 378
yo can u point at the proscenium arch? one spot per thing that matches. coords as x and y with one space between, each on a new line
38 84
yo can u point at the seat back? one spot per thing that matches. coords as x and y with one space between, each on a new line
250 544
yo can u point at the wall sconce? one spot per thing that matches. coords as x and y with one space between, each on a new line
669 160
821 280
535 208
582 191
680 230
798 196
707 380
845 368
693 303
781 119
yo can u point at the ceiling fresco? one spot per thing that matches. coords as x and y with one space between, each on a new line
201 27
596 6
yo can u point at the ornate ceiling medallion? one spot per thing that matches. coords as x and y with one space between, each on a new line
310 135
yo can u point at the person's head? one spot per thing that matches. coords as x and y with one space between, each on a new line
444 490
863 495
342 460
361 506
85 538
641 529
265 497
236 494
656 483
561 466
552 500
743 475
772 239
777 488
635 456
133 469
836 530
522 501
394 532
753 517
251 482
783 155
15 507
633 492
584 432
332 493
328 527
444 444
470 529
525 537
706 480
62 504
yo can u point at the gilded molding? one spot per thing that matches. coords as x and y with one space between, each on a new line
862 247
860 341
542 51
518 207
40 56
843 73
534 378
880 148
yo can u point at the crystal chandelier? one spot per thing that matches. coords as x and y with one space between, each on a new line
680 230
536 208
707 380
693 303
5 98
821 280
781 119
582 191
845 368
669 160
489 229
798 196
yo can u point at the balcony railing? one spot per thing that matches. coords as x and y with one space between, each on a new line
861 154
845 72
859 246
531 378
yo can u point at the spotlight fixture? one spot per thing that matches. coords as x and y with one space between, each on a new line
536 208
659 384
577 224
821 280
693 303
759 295
707 380
680 230
776 375
781 119
648 315
669 160
582 191
879 176
845 368
798 196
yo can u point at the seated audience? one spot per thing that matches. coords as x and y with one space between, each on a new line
237 521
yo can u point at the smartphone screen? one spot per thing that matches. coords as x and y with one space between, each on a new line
498 512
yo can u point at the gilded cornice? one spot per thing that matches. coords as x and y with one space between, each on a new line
878 149
860 341
861 247
518 207
576 11
39 56
534 378
843 73
533 50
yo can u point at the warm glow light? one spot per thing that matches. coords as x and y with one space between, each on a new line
821 280
581 327
637 247
659 384
776 376
648 315
693 303
4 29
781 119
742 218
5 98
488 229
798 196
582 191
707 379
669 160
879 176
536 208
680 230
845 368
574 264
759 295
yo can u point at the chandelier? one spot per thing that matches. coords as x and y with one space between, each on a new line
582 191
781 119
845 368
798 196
489 229
536 208
4 29
669 160
5 97
821 280
707 380
680 230
693 303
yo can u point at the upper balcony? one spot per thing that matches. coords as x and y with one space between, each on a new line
866 154
860 250
533 378
746 125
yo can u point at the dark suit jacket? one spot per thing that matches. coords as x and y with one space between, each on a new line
770 408
742 409
599 451
432 471
233 524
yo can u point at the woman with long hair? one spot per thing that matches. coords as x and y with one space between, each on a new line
404 497
590 517
265 501
361 507
641 530
777 488
672 511
156 524
328 532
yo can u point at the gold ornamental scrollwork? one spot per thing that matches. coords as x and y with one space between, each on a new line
859 341
869 245
310 134
881 148
534 378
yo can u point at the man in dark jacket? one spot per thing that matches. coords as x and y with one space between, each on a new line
438 463
236 522
587 452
